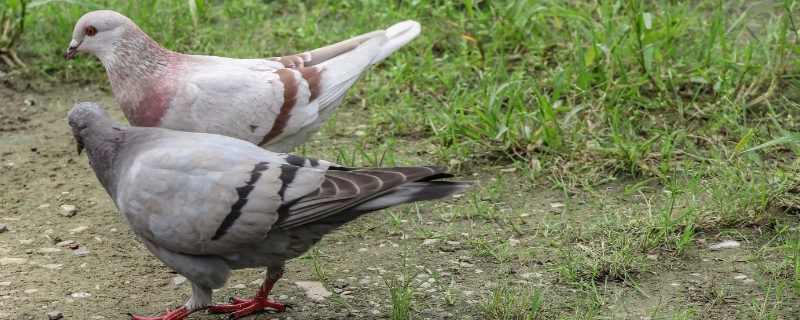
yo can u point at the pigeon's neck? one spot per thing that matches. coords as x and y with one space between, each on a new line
101 142
139 70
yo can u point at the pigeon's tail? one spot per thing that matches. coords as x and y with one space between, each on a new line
387 41
413 192
349 193
399 35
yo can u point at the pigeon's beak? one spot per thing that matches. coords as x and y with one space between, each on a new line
80 148
72 50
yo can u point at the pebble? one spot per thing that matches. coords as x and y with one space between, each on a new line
54 315
314 289
3 227
425 285
28 251
113 230
741 276
46 205
31 290
652 257
257 282
5 261
67 210
49 250
178 280
429 242
362 250
5 284
64 243
531 275
4 293
239 286
53 266
34 149
81 295
79 229
80 251
27 241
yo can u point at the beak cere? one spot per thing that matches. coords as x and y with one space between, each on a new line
72 50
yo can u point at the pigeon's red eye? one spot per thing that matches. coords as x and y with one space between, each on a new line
91 31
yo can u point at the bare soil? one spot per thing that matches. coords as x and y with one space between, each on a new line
40 273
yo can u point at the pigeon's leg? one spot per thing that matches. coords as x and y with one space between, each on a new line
259 302
177 314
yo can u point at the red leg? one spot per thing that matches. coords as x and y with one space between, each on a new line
260 301
177 314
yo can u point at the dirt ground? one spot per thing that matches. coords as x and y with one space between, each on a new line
40 172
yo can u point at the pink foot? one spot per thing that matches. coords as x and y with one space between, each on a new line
244 307
177 314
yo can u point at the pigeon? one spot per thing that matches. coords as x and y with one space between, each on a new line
206 204
277 103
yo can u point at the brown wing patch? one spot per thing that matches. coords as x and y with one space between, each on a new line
293 61
291 79
313 76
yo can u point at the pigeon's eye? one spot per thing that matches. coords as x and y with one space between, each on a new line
90 31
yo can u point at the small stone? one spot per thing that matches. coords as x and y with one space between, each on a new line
79 229
453 243
178 280
81 295
49 250
674 284
531 275
67 210
315 290
31 290
425 285
337 290
64 243
46 205
3 227
33 149
54 315
239 286
26 241
363 250
4 293
257 282
748 280
53 266
80 251
5 261
113 230
741 276
5 284
513 242
429 242
28 251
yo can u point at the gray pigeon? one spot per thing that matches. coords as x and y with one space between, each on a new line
206 204
277 103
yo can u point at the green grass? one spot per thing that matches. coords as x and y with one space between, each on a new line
654 99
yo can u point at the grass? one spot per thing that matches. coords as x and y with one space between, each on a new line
642 111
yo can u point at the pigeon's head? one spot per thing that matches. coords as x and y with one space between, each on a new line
97 32
82 116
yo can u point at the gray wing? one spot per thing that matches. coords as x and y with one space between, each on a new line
211 199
